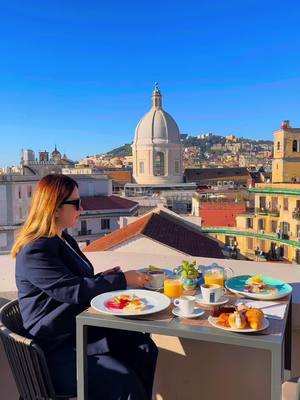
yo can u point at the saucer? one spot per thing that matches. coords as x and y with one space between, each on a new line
196 313
149 287
222 300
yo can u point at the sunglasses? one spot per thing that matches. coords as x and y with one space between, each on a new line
76 203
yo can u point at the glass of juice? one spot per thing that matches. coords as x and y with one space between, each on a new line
173 287
214 278
216 275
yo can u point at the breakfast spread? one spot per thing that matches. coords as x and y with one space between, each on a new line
127 303
256 284
240 317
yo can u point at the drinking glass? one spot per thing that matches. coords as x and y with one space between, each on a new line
173 287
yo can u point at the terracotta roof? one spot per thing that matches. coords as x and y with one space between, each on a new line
106 203
119 236
166 229
222 214
120 176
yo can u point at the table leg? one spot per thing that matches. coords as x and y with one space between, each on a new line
81 356
276 373
288 340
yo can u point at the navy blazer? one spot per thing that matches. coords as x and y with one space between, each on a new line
54 285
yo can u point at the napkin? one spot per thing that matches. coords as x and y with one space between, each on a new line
271 309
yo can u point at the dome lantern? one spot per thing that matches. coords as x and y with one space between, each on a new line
156 97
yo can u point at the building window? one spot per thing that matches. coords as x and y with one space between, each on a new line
230 240
249 223
29 191
250 243
20 213
177 167
274 203
286 203
295 145
261 224
298 231
262 203
3 239
83 227
141 167
105 224
159 164
278 145
285 229
262 245
20 192
274 226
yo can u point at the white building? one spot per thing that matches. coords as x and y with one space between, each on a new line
27 156
157 159
156 147
15 198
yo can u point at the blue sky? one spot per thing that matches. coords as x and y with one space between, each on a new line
80 74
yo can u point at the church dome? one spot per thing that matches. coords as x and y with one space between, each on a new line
157 126
55 153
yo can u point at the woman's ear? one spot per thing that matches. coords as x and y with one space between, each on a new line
57 213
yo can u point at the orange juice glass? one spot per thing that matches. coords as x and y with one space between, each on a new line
173 287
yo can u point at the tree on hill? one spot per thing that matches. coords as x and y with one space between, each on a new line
121 151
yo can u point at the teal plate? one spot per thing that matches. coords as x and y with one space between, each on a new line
238 284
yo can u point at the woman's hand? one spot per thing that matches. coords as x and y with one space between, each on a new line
114 270
136 279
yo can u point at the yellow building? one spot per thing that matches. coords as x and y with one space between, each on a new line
286 161
275 223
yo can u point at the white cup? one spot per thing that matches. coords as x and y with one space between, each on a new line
185 304
157 279
211 293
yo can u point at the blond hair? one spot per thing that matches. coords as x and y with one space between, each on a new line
49 194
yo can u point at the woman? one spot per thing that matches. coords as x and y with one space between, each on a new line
56 282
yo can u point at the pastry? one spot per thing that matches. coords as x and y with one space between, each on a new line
237 320
255 318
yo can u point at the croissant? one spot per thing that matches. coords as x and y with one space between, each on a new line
237 320
255 318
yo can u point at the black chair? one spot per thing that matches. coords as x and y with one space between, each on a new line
26 359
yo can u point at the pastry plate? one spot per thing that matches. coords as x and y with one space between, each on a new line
196 313
238 284
200 300
212 321
155 302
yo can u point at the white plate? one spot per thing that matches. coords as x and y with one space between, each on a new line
212 321
196 313
149 287
155 302
222 300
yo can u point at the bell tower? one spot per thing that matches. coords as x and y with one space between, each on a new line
286 159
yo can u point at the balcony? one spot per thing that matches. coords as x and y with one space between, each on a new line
274 212
183 354
296 214
261 211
